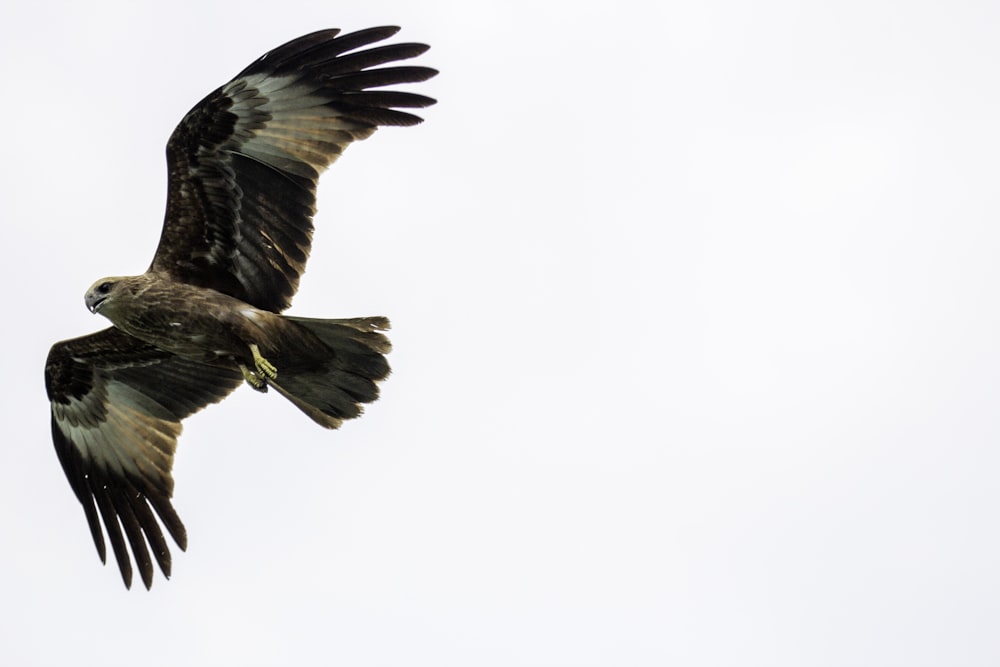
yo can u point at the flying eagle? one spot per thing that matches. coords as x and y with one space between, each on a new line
243 166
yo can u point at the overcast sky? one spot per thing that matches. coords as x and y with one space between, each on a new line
695 337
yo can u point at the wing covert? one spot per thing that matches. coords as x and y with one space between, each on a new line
244 162
117 404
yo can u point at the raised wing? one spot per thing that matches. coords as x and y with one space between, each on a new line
117 404
243 164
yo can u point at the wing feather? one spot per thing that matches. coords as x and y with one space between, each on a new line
244 162
117 404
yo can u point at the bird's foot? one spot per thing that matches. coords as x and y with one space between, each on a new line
254 380
264 367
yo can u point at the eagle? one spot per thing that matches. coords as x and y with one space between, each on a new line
243 167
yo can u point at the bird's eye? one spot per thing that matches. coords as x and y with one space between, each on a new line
104 288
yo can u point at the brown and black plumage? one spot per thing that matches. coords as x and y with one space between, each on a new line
243 168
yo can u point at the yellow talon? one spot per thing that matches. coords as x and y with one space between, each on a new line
253 379
264 367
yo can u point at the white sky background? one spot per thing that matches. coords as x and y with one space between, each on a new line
695 339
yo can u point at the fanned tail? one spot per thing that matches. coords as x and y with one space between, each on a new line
335 388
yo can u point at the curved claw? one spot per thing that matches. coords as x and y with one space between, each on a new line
253 379
264 367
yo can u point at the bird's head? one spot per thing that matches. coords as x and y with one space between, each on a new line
102 293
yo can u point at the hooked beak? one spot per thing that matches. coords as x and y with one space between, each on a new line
94 301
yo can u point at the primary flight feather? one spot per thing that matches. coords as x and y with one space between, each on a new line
243 166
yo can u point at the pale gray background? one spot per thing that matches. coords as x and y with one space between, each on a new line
696 342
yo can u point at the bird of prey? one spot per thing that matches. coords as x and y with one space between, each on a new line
243 166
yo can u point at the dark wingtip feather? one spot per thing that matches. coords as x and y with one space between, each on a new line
316 47
157 544
94 521
353 40
387 99
110 517
279 56
168 516
375 78
122 498
359 60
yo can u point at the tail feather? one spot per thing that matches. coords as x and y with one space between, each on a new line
332 387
